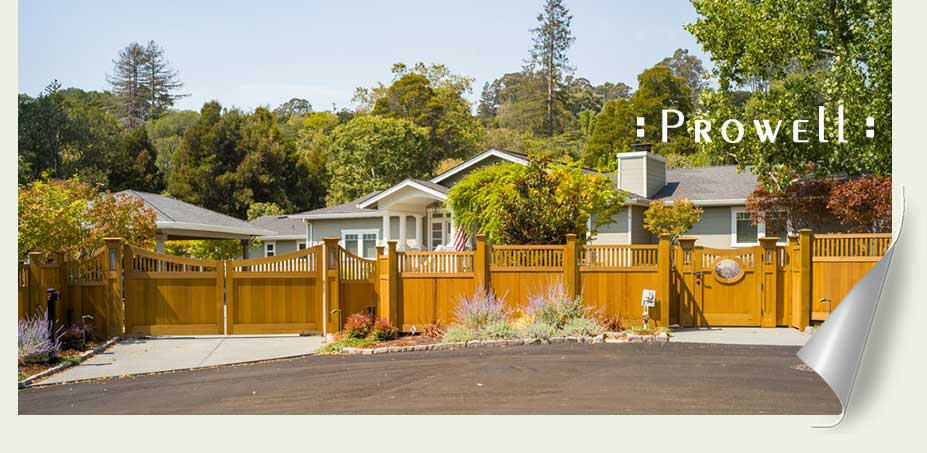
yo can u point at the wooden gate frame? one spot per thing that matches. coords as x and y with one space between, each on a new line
131 275
231 275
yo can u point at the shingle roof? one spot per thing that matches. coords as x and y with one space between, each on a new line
345 208
431 185
170 211
280 224
707 183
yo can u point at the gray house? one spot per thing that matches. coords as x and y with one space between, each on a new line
414 212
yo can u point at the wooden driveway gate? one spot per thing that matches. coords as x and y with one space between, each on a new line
278 294
172 295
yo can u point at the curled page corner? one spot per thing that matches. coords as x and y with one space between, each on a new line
836 349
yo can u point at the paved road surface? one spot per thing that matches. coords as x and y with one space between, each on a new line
549 379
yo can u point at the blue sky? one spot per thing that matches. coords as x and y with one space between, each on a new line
249 54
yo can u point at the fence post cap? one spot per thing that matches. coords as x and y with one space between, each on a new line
665 236
769 242
571 236
804 231
391 244
480 237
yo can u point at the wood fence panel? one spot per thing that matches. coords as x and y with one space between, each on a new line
170 295
426 300
613 277
275 295
519 272
431 284
358 282
839 261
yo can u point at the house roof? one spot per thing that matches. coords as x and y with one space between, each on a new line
282 226
431 188
717 185
344 210
181 219
505 155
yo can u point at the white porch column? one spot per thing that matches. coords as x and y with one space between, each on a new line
418 232
159 242
402 232
385 228
453 232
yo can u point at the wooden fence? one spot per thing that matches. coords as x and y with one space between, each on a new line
838 262
278 294
127 289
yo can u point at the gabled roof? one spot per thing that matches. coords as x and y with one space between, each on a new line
436 190
282 226
510 156
172 214
722 185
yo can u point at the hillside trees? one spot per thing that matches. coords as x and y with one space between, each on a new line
228 160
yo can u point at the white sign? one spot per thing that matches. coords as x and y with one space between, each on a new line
649 298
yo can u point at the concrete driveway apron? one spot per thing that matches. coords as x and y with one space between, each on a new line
156 354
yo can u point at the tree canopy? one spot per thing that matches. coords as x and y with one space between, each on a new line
798 55
372 152
535 204
74 216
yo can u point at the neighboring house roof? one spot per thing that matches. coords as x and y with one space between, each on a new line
347 210
283 227
180 219
708 185
510 156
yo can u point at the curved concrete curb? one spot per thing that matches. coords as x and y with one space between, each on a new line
28 382
609 337
178 370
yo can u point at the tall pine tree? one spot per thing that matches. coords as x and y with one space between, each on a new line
143 82
552 38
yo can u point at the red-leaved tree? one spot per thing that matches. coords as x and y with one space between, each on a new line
864 205
800 204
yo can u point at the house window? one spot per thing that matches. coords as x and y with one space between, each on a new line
270 249
369 245
745 232
437 233
775 226
300 246
362 243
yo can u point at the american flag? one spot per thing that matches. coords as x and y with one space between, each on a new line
460 239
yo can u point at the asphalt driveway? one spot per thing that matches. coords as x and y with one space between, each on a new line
157 354
547 379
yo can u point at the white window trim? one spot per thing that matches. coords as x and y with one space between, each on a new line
760 231
360 240
303 243
268 245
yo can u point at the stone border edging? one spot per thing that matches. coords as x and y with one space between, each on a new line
608 337
83 356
